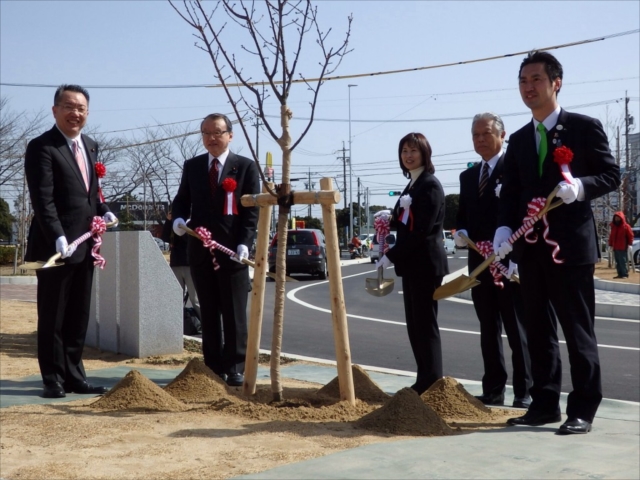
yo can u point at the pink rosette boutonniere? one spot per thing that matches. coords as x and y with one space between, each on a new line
101 171
563 157
229 185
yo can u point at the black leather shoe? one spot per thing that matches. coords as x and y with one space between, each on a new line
521 402
53 390
491 399
574 425
85 388
235 379
535 419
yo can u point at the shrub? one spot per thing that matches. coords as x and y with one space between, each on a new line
6 254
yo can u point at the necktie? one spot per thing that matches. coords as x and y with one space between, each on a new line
77 152
542 149
484 178
213 176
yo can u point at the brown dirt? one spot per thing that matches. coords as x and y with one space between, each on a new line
603 272
196 427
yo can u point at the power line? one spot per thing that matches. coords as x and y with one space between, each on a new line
346 77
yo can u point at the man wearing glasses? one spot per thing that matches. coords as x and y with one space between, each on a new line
209 194
63 186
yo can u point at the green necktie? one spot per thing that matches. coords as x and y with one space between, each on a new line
542 150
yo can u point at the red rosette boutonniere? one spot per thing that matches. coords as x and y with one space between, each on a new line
101 171
229 185
563 157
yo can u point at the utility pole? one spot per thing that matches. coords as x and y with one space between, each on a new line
366 208
359 209
309 188
257 125
350 167
619 205
627 171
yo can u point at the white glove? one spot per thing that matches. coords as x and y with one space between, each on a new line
384 214
242 252
63 248
498 190
513 269
177 223
384 262
570 192
110 218
501 247
457 239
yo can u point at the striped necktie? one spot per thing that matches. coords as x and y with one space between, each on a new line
213 177
484 178
77 153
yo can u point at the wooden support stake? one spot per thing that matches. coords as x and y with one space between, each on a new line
299 198
338 308
257 300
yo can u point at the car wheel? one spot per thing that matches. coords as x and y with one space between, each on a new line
323 273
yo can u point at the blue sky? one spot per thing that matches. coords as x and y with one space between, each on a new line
145 43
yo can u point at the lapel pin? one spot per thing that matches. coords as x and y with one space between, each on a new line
559 127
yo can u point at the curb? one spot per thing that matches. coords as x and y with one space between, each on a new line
620 287
19 280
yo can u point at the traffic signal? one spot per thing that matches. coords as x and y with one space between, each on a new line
393 194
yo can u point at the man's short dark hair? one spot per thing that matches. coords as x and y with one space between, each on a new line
552 66
217 116
69 88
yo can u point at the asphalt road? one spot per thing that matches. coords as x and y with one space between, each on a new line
378 336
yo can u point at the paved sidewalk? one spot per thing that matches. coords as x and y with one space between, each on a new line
610 451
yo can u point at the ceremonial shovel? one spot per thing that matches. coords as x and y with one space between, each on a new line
379 287
473 246
463 283
246 261
52 261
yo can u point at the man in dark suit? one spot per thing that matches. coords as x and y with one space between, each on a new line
63 186
495 305
222 292
556 265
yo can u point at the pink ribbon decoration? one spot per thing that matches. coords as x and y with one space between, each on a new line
98 227
205 236
382 228
534 208
497 269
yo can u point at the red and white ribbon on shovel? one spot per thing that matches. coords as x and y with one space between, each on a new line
497 269
382 228
208 242
535 206
98 227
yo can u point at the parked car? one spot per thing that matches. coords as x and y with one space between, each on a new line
449 244
306 252
375 247
164 246
635 247
366 239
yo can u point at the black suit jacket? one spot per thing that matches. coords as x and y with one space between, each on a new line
479 215
419 250
194 201
572 225
61 203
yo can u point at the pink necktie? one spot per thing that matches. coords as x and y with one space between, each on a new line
81 163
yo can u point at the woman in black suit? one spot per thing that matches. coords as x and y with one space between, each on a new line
419 256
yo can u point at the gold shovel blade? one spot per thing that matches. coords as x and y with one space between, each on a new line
38 265
379 287
455 286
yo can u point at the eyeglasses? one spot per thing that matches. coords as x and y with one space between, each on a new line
217 134
69 107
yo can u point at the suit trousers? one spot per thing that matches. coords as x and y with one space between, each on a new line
223 296
570 289
64 301
421 312
183 275
496 307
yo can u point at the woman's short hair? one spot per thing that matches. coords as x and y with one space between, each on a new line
420 141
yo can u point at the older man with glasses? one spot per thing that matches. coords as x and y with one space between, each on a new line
209 194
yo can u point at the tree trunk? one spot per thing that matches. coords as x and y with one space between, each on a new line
281 257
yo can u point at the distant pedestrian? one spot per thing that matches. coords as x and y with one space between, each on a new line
619 240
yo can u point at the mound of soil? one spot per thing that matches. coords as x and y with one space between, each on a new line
137 393
405 414
450 400
197 384
364 387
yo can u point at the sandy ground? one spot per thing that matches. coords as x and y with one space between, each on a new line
231 436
